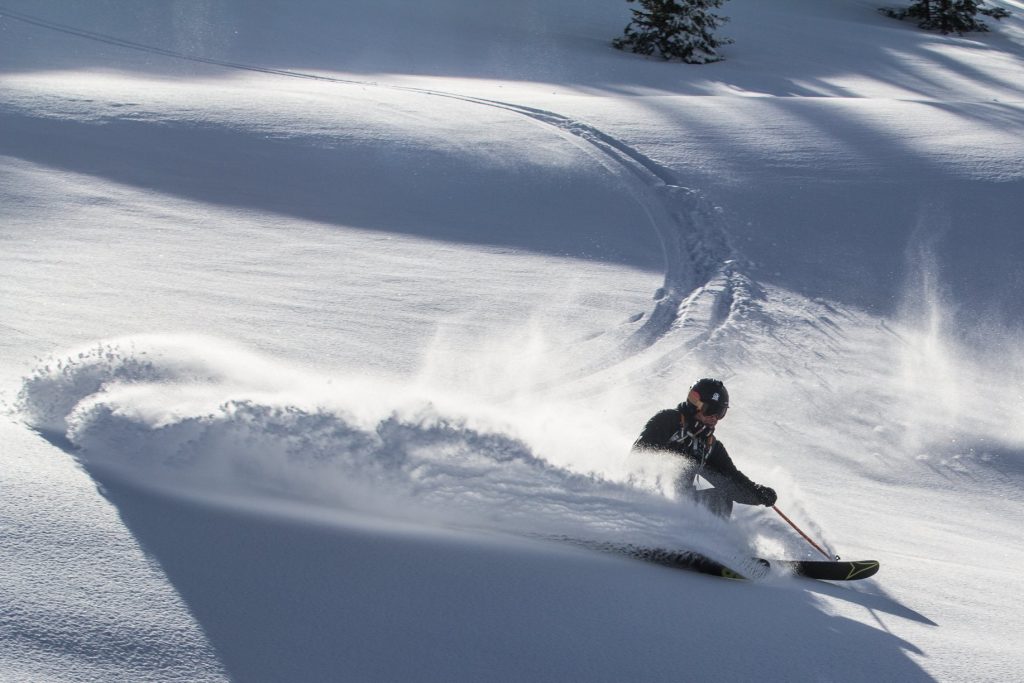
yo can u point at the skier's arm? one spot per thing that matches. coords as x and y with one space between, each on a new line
723 474
657 432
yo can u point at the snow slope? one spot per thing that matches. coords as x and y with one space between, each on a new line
325 325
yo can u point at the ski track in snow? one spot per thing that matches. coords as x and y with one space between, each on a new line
693 236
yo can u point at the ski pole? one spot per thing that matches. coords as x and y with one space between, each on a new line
806 537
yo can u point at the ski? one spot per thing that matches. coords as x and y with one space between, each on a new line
749 568
756 567
837 570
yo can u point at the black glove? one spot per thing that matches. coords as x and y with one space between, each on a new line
766 495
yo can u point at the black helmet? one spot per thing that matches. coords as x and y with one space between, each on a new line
714 398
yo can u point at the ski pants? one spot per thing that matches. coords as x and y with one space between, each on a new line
715 500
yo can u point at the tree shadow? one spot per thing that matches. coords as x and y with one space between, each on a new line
829 202
397 186
837 229
568 46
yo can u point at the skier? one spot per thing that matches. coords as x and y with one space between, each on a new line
689 431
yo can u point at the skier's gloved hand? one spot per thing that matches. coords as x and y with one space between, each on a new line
767 495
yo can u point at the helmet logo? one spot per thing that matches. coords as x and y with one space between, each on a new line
715 396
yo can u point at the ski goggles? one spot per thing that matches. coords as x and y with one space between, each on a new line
714 408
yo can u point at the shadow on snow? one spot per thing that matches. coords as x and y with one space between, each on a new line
281 599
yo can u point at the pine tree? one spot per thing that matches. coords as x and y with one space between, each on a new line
680 29
948 16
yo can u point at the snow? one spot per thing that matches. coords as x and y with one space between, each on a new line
325 326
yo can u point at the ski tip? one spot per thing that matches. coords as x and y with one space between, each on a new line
863 569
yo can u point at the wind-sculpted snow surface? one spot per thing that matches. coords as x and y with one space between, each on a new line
197 416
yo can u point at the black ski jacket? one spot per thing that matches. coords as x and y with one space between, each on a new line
677 431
